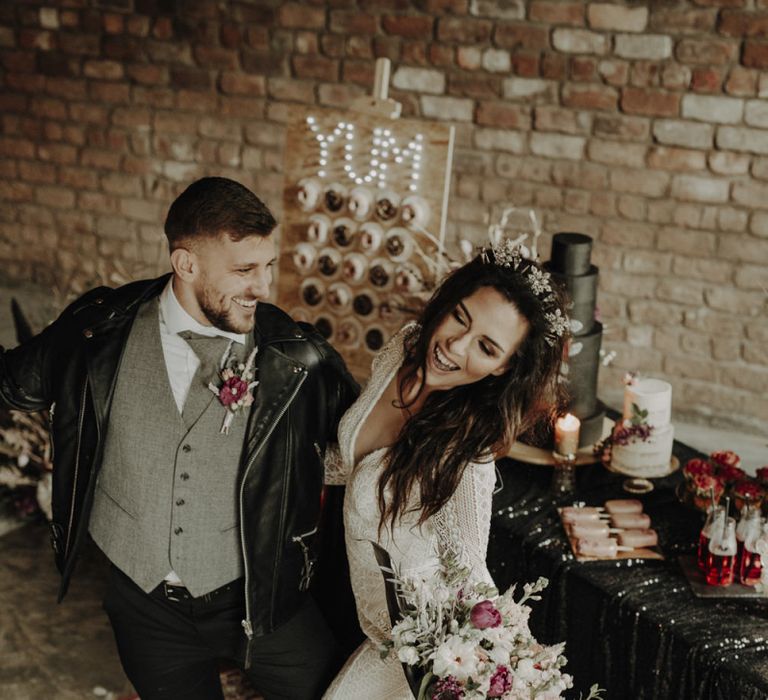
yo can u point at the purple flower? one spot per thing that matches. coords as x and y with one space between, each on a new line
232 391
484 615
447 689
501 682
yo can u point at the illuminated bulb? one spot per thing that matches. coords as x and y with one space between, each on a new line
323 161
320 138
412 188
419 137
398 159
348 156
359 180
367 178
321 173
383 166
347 168
375 152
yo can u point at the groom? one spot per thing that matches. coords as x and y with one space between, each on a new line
211 533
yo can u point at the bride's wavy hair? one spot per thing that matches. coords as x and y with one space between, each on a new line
474 421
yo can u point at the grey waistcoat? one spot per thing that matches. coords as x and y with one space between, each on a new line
167 494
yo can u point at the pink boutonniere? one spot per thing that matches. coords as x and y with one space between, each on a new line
235 392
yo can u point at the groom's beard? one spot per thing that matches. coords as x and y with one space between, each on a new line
225 314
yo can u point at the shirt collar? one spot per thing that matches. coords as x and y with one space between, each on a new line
177 319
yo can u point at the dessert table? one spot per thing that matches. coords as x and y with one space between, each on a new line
633 626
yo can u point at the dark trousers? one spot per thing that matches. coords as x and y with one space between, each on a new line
171 650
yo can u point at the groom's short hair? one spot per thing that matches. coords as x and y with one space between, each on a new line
215 206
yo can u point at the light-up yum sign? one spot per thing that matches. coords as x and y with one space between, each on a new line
371 165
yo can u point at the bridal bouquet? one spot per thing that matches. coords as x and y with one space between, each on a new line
465 641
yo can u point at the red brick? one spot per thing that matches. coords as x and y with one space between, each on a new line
113 23
706 51
738 23
16 148
243 84
415 53
60 153
359 72
503 115
190 78
480 86
352 23
357 47
37 39
257 37
138 25
48 107
117 93
741 82
291 90
316 67
441 55
517 35
20 61
25 82
583 69
720 3
707 80
645 74
678 159
103 70
230 36
755 55
554 66
598 97
676 77
525 64
439 7
622 127
411 26
194 101
549 118
571 13
299 15
333 45
682 20
650 102
336 94
386 47
464 30
148 74
15 192
215 57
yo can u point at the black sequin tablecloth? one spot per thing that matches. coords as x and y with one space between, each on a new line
633 625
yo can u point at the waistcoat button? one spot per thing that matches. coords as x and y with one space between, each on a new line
178 531
180 501
184 476
187 448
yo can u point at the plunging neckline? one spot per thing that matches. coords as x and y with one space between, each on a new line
366 415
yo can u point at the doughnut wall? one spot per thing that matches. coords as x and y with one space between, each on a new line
364 213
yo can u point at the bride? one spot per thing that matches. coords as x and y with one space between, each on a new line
418 445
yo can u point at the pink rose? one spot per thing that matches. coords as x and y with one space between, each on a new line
501 682
704 482
232 391
762 473
748 489
729 473
484 615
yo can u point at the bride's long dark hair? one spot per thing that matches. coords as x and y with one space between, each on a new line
474 421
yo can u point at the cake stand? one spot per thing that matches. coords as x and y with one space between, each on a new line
639 484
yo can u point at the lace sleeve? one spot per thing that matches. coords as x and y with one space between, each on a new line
335 473
464 523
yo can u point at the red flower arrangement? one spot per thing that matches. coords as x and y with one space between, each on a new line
694 467
235 390
747 492
762 475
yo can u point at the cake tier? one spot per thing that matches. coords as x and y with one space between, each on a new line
652 395
581 370
571 253
592 426
645 458
581 292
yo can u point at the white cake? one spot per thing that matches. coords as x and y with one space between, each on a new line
651 456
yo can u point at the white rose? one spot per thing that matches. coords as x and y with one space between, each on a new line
408 655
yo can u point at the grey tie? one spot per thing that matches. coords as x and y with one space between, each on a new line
210 351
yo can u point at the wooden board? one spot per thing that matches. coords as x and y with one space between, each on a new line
329 282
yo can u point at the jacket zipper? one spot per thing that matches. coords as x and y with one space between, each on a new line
246 623
77 466
50 430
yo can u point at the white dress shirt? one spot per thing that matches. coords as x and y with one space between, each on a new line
181 362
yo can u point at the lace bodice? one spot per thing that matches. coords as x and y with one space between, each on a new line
463 521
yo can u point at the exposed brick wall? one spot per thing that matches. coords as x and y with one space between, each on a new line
644 125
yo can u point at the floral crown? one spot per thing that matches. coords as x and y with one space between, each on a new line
511 253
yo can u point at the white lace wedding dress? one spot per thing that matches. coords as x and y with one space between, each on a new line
413 549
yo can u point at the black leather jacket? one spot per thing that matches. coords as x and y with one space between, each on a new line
304 388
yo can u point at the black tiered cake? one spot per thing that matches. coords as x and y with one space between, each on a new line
571 268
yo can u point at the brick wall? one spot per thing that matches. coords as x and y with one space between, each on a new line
644 125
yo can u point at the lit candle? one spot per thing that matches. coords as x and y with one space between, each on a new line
567 434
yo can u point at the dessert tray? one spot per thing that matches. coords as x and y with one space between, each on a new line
544 457
647 552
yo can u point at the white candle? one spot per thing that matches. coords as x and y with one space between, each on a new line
567 434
